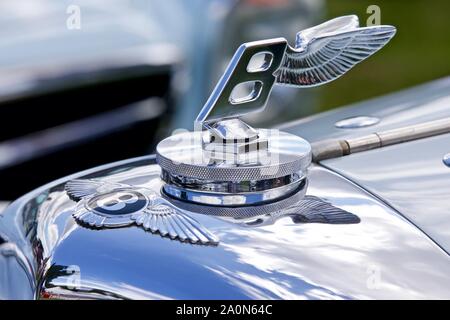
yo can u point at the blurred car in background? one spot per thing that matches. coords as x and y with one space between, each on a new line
72 97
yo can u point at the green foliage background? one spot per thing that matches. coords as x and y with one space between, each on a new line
419 52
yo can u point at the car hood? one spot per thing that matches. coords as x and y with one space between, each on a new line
410 177
386 253
380 255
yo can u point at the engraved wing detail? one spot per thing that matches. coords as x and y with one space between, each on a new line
80 188
312 209
327 51
171 222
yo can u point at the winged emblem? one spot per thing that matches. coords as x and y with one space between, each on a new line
309 209
108 205
312 209
327 51
321 54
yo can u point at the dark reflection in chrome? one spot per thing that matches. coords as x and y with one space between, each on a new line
2 240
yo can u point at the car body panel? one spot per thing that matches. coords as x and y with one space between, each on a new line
409 176
397 250
425 102
383 256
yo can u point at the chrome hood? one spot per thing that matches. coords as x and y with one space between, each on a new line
396 248
410 177
46 254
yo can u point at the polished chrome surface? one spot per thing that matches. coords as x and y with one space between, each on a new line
227 186
446 159
382 256
410 177
183 155
356 122
233 197
228 192
232 129
221 104
245 211
233 138
427 102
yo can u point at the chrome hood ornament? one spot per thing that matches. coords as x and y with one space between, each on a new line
321 54
225 162
227 168
110 205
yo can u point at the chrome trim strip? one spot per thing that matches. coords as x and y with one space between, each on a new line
327 149
232 199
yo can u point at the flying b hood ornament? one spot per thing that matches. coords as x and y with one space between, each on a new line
225 162
321 54
226 168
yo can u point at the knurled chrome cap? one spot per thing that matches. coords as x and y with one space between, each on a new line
182 155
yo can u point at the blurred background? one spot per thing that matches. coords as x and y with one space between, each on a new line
84 83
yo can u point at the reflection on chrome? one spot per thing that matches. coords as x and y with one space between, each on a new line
283 259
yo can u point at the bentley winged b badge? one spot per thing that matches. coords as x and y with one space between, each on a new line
226 162
109 205
321 54
227 168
